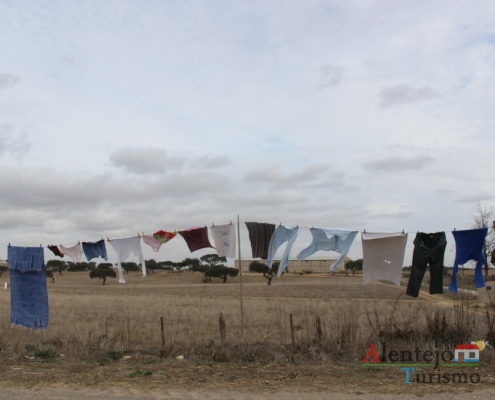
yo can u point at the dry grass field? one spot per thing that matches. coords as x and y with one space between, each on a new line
101 335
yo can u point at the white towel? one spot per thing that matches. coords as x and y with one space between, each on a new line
224 238
383 256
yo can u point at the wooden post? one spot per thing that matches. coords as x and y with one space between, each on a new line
128 331
240 275
163 337
292 330
319 330
223 333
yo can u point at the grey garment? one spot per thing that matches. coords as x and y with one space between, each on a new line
260 235
337 240
281 235
383 256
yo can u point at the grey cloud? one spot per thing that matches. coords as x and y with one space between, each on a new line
401 94
475 198
66 191
13 141
399 163
212 161
145 160
273 175
331 75
8 80
392 214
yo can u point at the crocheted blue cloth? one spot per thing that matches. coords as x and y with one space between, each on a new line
28 294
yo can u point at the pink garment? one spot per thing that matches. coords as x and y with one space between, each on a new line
74 252
152 242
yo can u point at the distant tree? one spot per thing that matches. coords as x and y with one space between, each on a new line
262 268
80 266
483 218
192 263
151 265
220 271
3 268
167 265
130 266
56 265
103 271
49 274
212 259
211 265
354 265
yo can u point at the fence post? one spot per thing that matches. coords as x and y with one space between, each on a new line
223 333
162 329
292 330
319 330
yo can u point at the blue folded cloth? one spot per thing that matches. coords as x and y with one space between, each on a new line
28 293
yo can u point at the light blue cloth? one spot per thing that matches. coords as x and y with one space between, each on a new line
281 235
336 240
28 294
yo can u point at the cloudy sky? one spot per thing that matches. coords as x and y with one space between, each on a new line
120 117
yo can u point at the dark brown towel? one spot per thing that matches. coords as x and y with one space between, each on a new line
196 238
55 250
260 235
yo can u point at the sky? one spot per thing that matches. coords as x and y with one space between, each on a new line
120 117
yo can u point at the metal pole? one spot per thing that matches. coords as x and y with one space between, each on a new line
240 274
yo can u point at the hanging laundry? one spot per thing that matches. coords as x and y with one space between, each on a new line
152 242
163 236
28 294
469 246
196 238
55 250
74 252
337 240
95 250
224 238
260 235
281 235
383 256
429 250
125 248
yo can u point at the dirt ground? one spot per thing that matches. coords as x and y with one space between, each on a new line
23 377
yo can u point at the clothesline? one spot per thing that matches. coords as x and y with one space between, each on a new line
383 257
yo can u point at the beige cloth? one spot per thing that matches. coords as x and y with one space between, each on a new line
383 256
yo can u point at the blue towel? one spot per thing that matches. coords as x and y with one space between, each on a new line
28 294
469 246
95 250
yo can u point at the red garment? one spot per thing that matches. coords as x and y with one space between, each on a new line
196 238
163 236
